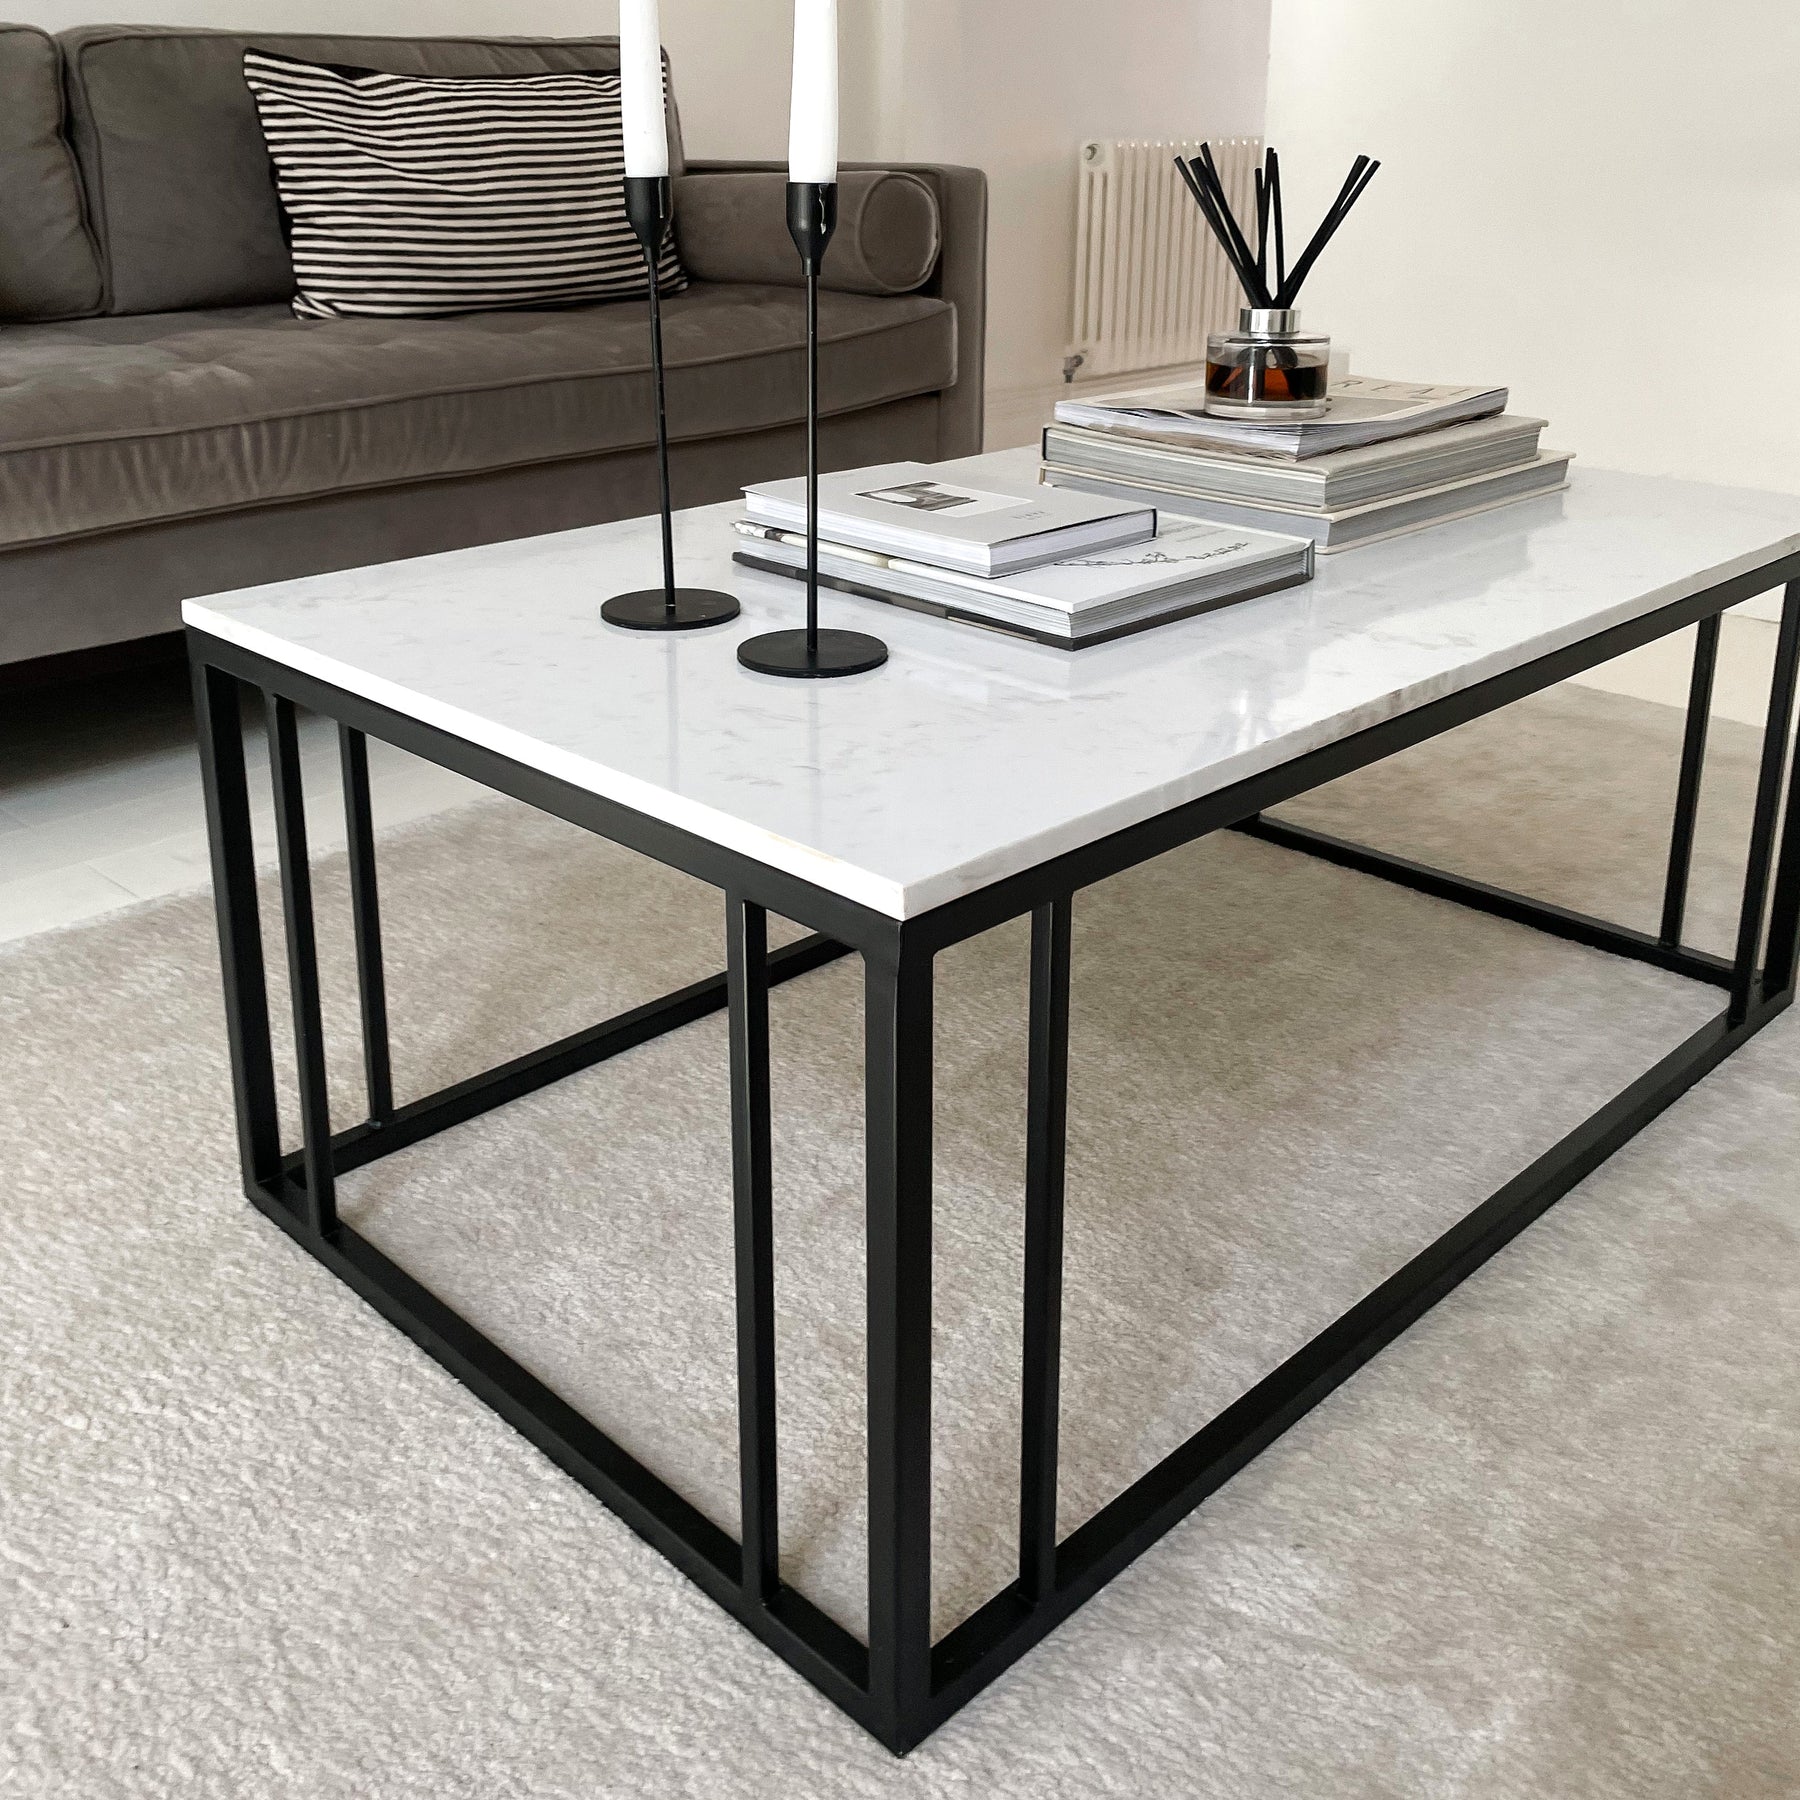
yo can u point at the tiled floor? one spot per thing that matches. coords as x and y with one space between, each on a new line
100 797
100 790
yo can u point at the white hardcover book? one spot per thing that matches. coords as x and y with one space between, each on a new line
1189 566
1328 483
1354 525
1363 409
996 525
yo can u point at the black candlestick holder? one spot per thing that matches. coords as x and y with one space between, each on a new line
811 653
649 207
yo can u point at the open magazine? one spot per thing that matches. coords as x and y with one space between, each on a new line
1364 409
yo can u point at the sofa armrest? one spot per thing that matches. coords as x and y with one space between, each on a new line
959 276
731 225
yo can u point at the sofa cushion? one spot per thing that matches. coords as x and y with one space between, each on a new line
413 196
112 422
731 225
48 268
177 176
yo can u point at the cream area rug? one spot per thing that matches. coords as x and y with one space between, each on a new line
253 1543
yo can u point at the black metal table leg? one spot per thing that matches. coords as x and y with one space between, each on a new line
319 1203
898 1072
747 977
1046 1133
218 705
1497 902
1687 789
1781 961
365 913
1765 818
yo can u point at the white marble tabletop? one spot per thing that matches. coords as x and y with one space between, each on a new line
971 756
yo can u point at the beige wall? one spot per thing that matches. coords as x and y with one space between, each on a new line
1598 203
1013 86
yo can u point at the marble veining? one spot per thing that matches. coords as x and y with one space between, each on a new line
971 756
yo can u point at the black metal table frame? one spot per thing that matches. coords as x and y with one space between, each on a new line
900 1685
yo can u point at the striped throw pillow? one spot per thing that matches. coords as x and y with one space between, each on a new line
411 195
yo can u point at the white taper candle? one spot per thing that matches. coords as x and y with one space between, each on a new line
641 89
813 111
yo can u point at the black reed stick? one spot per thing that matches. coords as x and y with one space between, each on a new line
1275 208
1210 213
1361 174
1262 223
1203 183
1216 185
1218 212
1252 266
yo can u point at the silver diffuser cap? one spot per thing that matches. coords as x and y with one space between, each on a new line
1269 321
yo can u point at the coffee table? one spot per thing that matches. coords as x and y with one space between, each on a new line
973 779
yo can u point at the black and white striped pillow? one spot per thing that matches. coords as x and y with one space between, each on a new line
410 195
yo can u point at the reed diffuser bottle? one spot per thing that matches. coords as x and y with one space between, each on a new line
1268 369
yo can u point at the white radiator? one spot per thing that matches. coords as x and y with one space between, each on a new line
1150 279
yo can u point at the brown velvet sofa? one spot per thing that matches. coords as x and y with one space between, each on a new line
168 428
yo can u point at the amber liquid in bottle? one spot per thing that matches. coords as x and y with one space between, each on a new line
1269 376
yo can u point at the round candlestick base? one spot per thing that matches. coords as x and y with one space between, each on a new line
648 609
838 653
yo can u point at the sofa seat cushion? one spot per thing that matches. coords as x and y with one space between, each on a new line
113 422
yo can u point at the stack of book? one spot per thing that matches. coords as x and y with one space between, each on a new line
1009 554
1389 457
